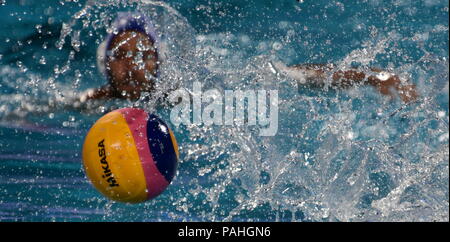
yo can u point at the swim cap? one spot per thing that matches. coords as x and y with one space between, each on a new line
126 21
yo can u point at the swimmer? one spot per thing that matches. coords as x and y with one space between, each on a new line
129 60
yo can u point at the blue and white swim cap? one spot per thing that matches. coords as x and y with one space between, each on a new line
126 21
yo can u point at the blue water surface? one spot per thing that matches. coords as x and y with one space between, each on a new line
338 155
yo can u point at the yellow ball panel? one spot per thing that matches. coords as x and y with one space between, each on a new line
111 160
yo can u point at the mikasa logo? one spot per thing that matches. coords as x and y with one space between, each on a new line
107 172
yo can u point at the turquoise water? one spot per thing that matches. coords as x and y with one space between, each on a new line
339 155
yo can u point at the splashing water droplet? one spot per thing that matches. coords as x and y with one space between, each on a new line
42 60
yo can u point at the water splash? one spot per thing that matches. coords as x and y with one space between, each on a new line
340 155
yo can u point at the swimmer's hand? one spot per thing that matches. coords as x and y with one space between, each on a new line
390 85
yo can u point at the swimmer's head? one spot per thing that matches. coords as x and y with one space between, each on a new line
132 63
129 56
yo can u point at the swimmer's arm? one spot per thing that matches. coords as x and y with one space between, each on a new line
108 92
385 82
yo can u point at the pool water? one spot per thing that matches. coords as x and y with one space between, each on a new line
338 155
